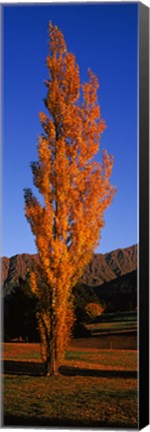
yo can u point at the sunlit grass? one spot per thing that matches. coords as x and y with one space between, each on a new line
108 359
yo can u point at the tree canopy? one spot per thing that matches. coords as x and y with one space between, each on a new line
76 192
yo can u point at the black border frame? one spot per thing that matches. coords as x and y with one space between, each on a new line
144 215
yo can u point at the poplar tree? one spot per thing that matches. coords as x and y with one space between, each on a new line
76 191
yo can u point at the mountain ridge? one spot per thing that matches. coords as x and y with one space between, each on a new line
102 268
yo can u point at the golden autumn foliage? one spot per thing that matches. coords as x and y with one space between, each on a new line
76 192
93 310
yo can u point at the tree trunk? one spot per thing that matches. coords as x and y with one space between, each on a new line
48 366
52 361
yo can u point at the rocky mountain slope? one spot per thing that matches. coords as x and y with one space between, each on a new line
103 267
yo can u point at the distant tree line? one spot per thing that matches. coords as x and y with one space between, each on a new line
20 306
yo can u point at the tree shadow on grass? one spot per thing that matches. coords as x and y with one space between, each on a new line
23 368
38 369
74 371
33 421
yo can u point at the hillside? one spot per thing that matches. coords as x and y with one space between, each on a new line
103 267
120 293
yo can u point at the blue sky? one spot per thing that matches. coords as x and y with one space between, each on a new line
103 37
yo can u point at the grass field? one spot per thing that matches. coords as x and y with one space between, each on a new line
95 388
110 326
114 322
